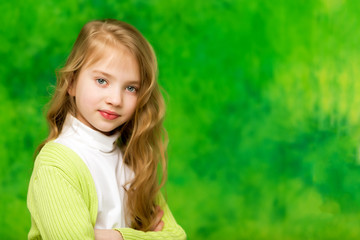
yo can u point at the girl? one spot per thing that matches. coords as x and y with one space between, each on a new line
95 175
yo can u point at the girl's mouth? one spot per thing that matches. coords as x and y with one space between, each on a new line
109 115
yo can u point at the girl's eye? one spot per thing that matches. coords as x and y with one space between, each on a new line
131 89
101 81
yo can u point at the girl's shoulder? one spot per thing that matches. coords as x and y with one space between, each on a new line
53 154
63 158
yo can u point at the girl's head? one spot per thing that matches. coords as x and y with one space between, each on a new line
99 41
123 69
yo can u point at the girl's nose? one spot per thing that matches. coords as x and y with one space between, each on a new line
114 98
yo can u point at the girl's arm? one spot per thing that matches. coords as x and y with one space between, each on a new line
107 234
60 206
170 231
57 208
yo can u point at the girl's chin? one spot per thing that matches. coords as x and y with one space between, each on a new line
107 131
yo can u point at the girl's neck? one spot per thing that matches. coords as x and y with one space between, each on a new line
88 135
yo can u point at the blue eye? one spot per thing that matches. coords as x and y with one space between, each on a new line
131 89
101 81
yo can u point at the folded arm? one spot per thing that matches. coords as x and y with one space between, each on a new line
171 230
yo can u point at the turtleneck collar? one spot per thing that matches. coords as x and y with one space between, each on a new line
89 136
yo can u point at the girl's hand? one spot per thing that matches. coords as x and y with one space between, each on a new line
111 234
107 234
158 224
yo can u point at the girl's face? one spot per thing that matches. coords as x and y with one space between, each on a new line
106 91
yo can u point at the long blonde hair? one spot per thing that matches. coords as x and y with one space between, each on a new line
143 140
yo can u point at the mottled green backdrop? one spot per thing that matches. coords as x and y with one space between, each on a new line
263 109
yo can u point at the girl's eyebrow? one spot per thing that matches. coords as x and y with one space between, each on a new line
134 82
109 76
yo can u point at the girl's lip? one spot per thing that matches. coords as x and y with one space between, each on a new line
109 115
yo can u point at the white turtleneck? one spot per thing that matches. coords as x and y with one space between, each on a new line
104 160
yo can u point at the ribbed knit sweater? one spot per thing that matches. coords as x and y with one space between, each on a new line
104 160
63 203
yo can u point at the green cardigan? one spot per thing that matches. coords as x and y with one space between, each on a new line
63 203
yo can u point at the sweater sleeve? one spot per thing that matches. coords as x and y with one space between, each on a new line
57 207
171 230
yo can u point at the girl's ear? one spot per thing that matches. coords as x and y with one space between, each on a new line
71 90
72 86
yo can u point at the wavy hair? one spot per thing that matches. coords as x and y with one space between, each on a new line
143 140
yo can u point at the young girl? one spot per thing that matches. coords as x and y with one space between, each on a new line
95 175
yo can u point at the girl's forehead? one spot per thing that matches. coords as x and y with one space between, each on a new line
115 63
108 55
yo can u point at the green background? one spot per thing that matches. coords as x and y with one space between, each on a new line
263 108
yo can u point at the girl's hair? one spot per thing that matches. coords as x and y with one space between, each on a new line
143 140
